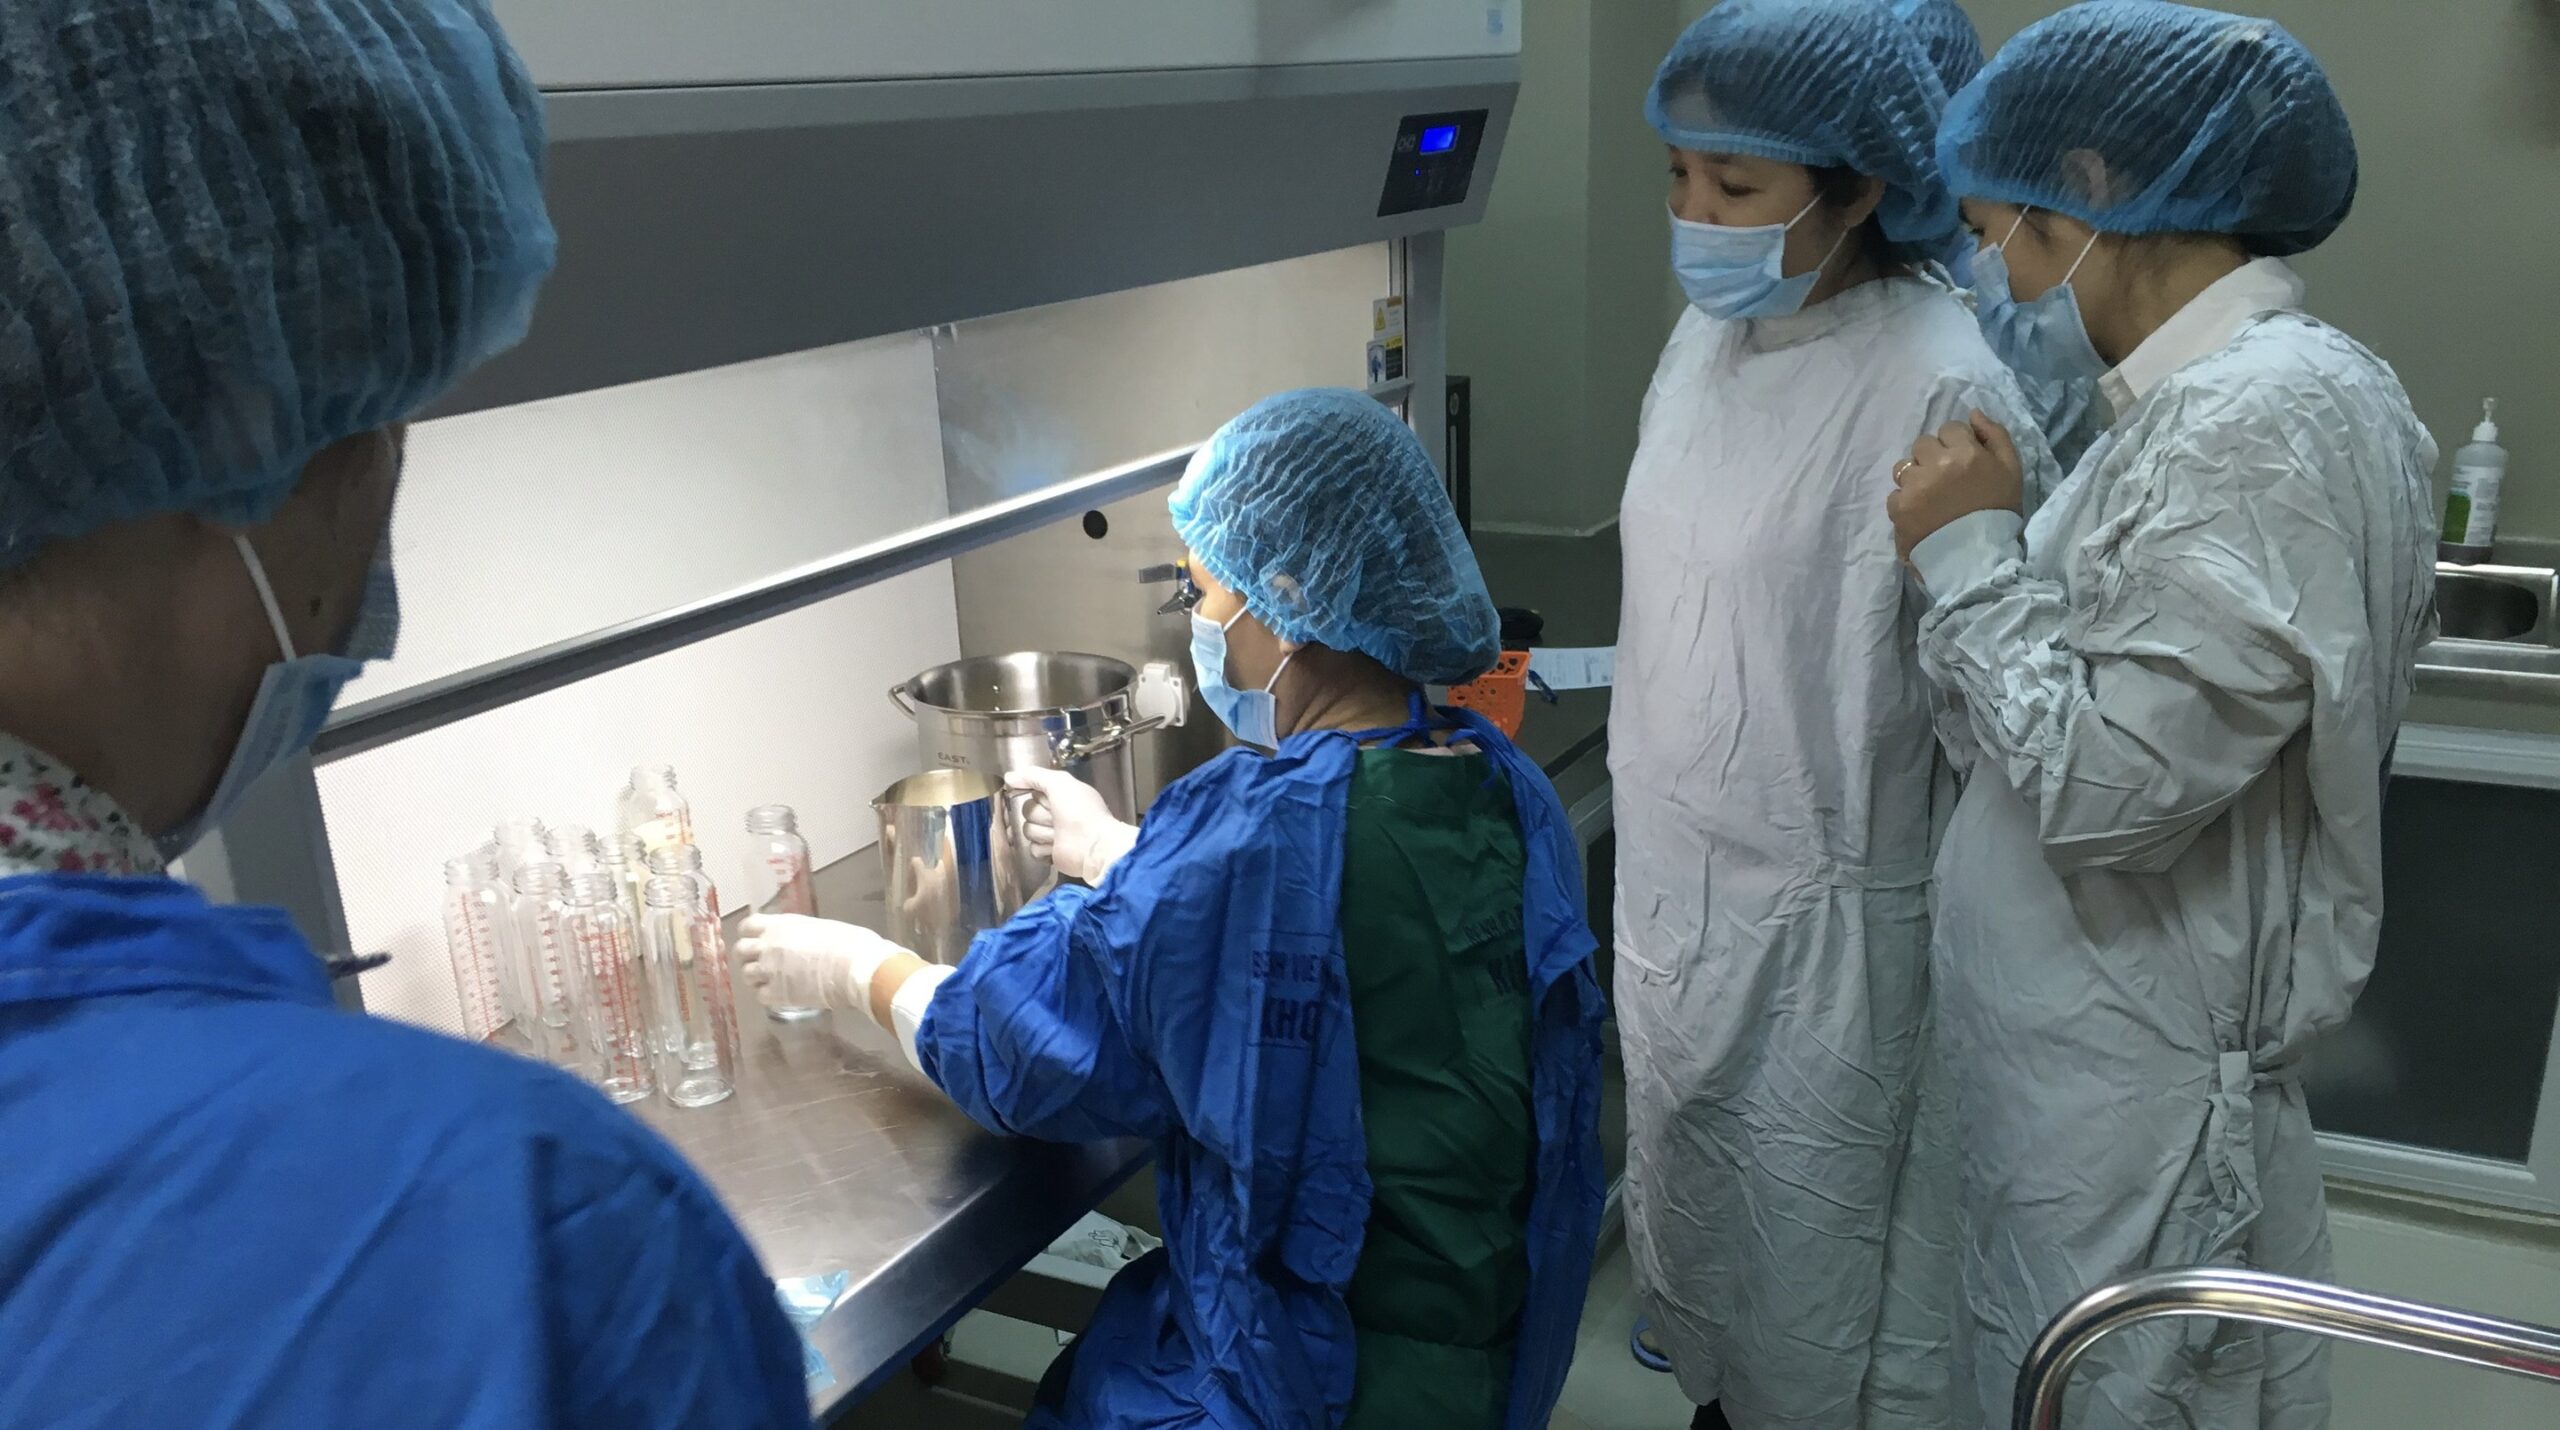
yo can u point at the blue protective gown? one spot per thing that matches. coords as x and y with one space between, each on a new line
229 1204
1197 998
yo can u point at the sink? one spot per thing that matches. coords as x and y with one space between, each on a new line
2495 603
2501 633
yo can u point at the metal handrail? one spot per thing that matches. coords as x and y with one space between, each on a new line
460 696
2515 1347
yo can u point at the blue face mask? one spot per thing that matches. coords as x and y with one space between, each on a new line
1254 715
1741 272
2044 338
295 695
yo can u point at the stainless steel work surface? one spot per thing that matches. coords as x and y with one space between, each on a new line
833 1154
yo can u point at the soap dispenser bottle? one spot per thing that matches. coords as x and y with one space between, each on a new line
2471 508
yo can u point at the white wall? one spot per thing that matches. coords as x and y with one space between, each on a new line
530 525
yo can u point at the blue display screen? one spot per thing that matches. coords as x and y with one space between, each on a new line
1439 139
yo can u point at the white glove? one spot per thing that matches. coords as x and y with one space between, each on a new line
1070 826
794 961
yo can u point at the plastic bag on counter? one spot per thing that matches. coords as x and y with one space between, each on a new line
807 1300
1097 1240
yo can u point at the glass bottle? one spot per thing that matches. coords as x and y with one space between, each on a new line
623 862
544 967
511 992
654 809
684 861
612 990
518 842
575 848
697 1040
779 877
475 909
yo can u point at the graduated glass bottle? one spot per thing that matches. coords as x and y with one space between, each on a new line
476 911
611 990
517 843
575 848
697 1042
779 879
684 861
514 993
544 964
653 808
628 867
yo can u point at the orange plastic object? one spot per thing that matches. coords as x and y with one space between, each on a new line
1500 695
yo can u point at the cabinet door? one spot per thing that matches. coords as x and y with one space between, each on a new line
2450 1044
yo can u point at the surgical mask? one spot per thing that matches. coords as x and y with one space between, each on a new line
295 695
2044 338
1741 272
1254 715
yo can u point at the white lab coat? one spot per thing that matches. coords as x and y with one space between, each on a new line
1777 780
2165 875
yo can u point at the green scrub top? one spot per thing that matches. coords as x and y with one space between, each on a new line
1432 885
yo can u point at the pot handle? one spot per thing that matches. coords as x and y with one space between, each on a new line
898 697
1071 749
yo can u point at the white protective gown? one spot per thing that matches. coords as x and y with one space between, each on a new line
2165 875
1777 779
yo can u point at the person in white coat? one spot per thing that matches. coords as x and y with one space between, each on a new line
1777 778
2178 686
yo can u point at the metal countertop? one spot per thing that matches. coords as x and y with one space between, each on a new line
833 1154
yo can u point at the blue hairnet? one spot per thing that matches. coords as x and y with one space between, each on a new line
2140 116
1323 512
240 230
1947 36
1822 83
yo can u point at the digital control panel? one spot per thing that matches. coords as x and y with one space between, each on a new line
1434 161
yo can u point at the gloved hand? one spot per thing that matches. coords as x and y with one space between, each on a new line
794 961
1070 826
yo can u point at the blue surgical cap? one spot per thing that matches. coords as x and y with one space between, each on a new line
1323 512
1946 34
2140 116
233 232
1822 83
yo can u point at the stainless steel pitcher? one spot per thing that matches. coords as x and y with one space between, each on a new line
954 860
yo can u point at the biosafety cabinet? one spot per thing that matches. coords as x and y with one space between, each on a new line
846 293
877 333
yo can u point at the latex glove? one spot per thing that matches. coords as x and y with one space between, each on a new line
1070 826
794 961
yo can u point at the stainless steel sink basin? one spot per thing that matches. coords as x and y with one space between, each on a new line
2496 603
2501 633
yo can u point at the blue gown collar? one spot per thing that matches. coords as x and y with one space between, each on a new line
88 936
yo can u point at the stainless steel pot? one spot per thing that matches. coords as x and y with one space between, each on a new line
1033 709
954 860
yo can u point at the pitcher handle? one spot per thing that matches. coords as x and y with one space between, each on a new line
898 697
